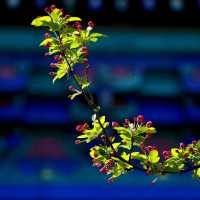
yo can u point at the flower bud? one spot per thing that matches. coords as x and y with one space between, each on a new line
97 164
67 16
104 170
53 65
140 118
52 7
77 141
126 121
47 45
182 145
149 148
85 61
46 35
166 154
110 180
91 24
185 155
191 150
110 163
194 142
62 11
47 10
57 58
149 124
115 124
79 128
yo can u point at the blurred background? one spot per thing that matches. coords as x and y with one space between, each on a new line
149 64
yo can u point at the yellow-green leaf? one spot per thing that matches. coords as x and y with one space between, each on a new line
73 19
198 172
56 14
174 152
41 21
151 130
154 156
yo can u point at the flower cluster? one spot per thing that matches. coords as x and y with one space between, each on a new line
119 147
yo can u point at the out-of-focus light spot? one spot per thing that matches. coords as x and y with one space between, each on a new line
40 3
13 4
47 174
122 5
95 5
149 5
176 5
70 5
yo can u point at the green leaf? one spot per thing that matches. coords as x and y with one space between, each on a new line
82 136
198 172
141 129
125 156
41 21
85 84
123 131
63 69
96 130
95 36
47 40
151 130
73 19
174 152
116 145
138 156
93 39
154 156
75 44
56 14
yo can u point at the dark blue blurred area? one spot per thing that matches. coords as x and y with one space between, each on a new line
135 70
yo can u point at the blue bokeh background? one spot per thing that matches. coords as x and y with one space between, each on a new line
147 65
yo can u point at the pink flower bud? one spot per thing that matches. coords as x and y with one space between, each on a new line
91 24
126 121
52 7
46 35
67 16
166 154
85 61
71 88
57 58
77 141
104 170
149 124
47 10
77 25
47 54
53 65
110 163
62 11
194 142
48 45
140 118
149 148
182 145
97 164
191 150
79 128
115 124
110 180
